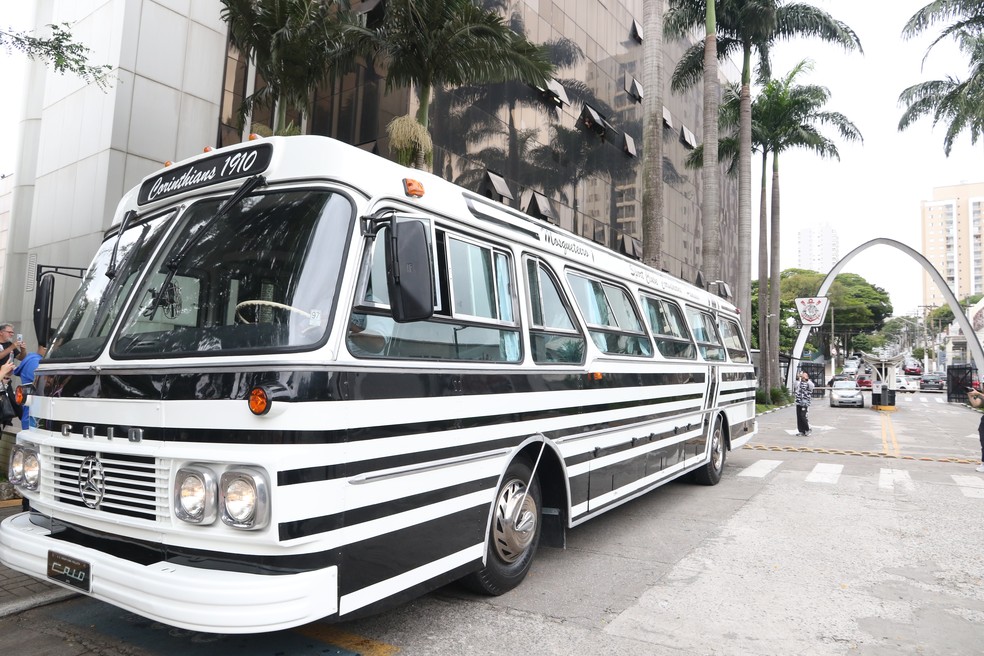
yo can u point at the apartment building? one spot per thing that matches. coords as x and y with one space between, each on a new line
951 240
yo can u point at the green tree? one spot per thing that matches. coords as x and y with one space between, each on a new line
58 51
295 44
747 25
430 44
789 115
957 103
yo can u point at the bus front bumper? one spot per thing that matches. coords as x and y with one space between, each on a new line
187 597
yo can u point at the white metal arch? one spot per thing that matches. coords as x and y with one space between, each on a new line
973 344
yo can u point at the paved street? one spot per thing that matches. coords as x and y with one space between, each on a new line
864 538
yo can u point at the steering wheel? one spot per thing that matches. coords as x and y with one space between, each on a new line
272 304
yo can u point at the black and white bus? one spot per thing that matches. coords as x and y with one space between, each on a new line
299 381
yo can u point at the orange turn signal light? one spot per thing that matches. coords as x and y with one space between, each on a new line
259 402
413 188
595 375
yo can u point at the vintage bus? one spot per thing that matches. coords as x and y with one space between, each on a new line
299 381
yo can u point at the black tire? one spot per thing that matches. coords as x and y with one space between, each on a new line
510 550
710 474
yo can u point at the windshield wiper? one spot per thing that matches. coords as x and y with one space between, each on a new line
175 260
127 218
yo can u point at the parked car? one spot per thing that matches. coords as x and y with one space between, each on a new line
846 393
932 381
850 367
837 377
864 380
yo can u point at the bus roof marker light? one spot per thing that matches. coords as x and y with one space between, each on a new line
259 401
413 188
253 136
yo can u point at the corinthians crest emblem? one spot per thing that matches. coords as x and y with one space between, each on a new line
92 482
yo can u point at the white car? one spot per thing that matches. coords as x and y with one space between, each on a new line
906 384
850 367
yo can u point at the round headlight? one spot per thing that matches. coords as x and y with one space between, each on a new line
195 498
17 466
240 500
32 470
191 496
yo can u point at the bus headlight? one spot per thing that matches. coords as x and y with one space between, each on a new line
195 493
25 467
245 498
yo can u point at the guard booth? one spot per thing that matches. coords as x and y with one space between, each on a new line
815 371
959 380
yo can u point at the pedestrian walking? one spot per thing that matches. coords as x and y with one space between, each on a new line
804 397
976 400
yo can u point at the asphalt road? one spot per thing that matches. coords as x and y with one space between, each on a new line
866 538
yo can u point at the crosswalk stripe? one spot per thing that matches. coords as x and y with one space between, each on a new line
970 486
889 478
760 468
825 473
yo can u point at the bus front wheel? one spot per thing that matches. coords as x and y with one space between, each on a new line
514 533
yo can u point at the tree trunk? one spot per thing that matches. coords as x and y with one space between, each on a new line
743 295
652 194
711 201
765 357
774 273
423 113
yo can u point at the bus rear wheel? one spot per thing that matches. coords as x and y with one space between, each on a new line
710 474
514 532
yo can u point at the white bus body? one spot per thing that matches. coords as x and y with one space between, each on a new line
232 433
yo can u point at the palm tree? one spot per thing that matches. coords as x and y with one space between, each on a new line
295 44
652 142
959 103
744 25
711 202
788 116
431 44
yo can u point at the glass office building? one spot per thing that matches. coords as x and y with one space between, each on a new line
571 154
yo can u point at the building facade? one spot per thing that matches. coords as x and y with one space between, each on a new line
951 240
571 154
819 248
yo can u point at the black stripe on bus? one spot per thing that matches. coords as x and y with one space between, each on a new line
299 386
362 433
353 516
342 470
382 557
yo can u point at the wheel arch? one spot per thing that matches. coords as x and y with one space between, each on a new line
554 488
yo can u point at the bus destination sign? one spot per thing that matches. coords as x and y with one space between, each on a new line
208 171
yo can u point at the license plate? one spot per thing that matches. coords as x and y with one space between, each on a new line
70 571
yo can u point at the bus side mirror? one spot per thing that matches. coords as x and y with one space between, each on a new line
409 275
42 308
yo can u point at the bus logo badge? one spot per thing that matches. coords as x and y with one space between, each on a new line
92 482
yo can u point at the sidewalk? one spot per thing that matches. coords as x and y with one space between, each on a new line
20 592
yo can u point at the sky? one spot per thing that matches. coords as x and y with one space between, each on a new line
876 188
873 191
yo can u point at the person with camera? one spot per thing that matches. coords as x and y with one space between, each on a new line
976 399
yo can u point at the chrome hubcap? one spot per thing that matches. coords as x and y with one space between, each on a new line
515 520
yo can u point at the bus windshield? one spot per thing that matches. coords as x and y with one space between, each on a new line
100 298
261 276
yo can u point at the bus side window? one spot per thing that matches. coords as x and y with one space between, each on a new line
733 342
612 319
669 329
553 335
705 332
476 290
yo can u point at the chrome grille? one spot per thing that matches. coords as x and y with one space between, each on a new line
133 486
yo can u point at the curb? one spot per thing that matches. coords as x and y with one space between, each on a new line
35 601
